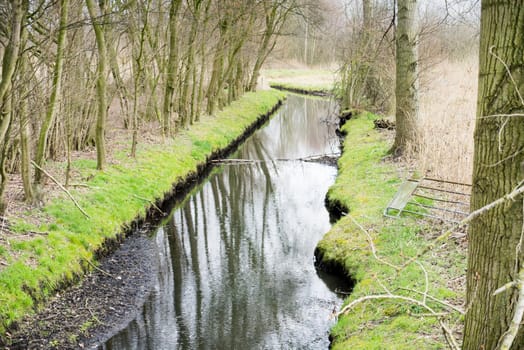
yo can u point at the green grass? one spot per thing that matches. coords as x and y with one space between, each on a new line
114 199
365 185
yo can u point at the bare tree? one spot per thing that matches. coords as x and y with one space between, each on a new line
406 89
101 83
54 100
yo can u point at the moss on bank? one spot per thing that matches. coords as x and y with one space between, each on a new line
364 186
41 258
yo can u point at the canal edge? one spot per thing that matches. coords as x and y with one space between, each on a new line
153 210
368 178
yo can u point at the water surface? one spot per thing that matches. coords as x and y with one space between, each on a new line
236 258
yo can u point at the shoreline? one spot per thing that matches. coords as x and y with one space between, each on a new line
77 240
367 179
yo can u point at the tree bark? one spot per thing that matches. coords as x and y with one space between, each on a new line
406 88
493 259
101 85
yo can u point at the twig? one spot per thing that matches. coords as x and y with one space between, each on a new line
355 302
436 314
505 287
372 245
96 318
502 115
100 270
150 202
509 73
518 248
62 188
426 289
448 334
509 336
442 302
383 286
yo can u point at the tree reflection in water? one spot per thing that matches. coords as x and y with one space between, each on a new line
236 258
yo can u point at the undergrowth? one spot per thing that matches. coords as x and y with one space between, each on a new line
58 249
365 184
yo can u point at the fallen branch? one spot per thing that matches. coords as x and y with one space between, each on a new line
372 245
436 300
236 161
355 302
62 188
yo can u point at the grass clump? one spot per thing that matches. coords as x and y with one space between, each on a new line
114 198
364 186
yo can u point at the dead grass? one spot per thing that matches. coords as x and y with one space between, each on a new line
447 119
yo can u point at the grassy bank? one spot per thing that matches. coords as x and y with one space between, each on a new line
305 81
53 246
364 186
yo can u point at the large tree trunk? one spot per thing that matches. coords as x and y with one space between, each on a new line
101 85
493 257
406 89
54 100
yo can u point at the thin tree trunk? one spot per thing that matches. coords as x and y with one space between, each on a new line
101 85
172 67
494 257
406 89
25 147
138 78
54 100
19 8
120 85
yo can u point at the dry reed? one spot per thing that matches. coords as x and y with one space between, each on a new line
447 119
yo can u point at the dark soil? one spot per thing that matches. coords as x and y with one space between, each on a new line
87 314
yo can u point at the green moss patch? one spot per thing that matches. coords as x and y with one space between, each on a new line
365 184
56 252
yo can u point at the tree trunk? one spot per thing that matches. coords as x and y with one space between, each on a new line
9 61
138 78
406 89
120 85
101 85
172 67
493 259
54 100
25 147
